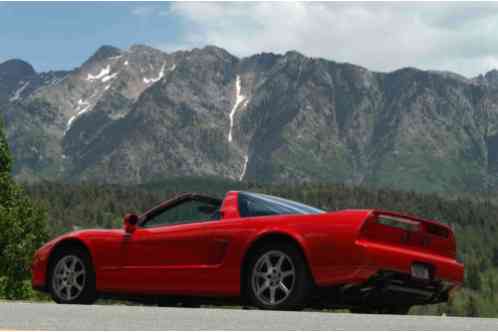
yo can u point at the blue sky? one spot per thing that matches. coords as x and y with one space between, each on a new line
62 36
459 37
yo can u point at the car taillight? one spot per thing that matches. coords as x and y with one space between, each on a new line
400 230
406 224
373 221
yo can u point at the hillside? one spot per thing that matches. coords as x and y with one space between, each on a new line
136 115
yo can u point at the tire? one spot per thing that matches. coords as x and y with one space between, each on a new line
72 277
277 277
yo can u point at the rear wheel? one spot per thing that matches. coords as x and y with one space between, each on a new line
277 277
72 278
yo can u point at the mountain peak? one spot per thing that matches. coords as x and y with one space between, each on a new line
294 54
218 51
492 75
490 78
139 48
16 68
104 52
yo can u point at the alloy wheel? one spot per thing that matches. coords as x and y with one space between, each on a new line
69 278
273 277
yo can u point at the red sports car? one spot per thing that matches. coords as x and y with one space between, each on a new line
257 250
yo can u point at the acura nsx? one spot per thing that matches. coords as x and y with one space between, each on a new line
256 250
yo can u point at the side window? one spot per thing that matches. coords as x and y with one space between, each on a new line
184 213
253 207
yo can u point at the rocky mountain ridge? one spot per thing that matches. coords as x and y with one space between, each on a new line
138 115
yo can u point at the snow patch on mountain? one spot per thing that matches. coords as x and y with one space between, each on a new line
155 79
83 107
244 167
109 77
239 98
18 92
244 105
103 73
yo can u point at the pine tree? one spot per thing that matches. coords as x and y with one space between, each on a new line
23 228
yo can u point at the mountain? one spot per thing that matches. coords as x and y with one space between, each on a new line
138 115
18 79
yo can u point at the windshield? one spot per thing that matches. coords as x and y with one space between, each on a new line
254 205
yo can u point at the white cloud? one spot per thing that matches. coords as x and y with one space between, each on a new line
460 37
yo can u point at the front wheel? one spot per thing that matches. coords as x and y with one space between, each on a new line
278 278
72 278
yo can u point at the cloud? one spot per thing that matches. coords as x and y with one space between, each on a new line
459 37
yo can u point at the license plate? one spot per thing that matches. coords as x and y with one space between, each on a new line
420 271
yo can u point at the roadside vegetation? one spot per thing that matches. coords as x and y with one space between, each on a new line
31 215
23 228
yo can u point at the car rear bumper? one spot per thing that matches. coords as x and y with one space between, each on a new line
385 289
385 279
393 258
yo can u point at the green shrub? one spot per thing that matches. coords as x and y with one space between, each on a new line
23 228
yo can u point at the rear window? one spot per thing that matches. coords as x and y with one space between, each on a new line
255 205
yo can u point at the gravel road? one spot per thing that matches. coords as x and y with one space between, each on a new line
49 316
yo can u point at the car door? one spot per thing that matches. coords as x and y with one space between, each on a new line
174 250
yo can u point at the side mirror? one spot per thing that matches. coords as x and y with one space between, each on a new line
130 222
